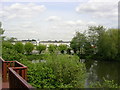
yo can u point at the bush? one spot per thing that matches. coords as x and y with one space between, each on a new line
12 55
6 44
59 71
52 48
34 57
29 48
105 84
69 50
62 48
19 47
41 48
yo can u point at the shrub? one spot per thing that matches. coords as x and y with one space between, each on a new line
34 57
59 71
62 48
41 48
29 47
105 84
52 48
69 50
6 44
19 47
12 55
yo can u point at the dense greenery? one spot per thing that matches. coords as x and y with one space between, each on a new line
59 71
29 47
97 42
41 48
9 53
19 47
78 42
1 29
52 48
64 70
62 48
104 84
53 71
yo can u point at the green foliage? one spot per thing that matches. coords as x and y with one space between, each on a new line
12 39
69 50
78 42
19 47
52 48
41 48
35 57
62 48
105 84
108 45
98 42
89 49
59 71
9 53
29 47
12 55
1 29
6 44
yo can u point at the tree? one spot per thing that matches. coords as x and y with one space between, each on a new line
12 39
6 44
62 48
94 34
19 47
69 50
29 47
1 29
1 37
108 45
52 48
41 48
78 42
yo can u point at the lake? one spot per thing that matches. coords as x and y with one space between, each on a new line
96 70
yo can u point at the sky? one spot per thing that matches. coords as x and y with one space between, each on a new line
55 19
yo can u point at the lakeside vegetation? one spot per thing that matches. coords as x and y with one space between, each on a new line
97 43
57 69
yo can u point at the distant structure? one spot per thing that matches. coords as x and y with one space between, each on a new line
47 43
33 41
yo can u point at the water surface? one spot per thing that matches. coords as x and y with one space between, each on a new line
96 70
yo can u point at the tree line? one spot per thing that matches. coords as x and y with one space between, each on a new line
98 43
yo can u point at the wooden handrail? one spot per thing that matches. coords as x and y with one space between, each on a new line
16 81
19 64
17 74
18 67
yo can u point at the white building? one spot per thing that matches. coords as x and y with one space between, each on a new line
47 43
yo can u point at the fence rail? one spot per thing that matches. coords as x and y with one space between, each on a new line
16 81
15 73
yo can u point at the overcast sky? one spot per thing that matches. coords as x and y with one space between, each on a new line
43 20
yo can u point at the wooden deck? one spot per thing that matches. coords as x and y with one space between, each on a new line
5 84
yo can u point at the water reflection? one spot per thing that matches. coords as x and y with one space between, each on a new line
98 69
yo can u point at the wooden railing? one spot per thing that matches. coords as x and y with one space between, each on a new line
18 67
16 81
17 74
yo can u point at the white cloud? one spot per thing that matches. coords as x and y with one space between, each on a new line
99 9
103 1
80 23
43 0
70 23
57 0
53 18
19 10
